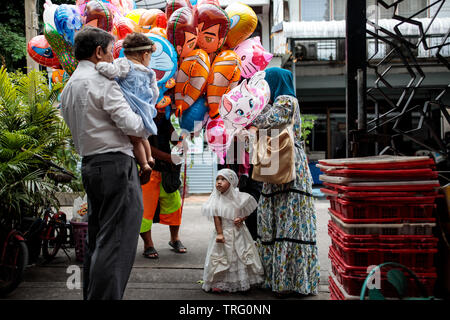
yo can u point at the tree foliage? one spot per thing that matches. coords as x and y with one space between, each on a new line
29 123
12 31
307 126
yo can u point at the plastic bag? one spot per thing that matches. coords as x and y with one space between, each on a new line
79 210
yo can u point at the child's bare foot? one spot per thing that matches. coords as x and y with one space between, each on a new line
144 174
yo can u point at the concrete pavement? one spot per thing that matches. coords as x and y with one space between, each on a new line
171 277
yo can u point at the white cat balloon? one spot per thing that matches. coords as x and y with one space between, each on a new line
241 105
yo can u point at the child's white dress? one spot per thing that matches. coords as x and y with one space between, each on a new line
234 265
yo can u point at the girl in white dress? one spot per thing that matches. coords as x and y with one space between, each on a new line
232 261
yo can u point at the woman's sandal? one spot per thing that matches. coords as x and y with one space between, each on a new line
178 246
150 253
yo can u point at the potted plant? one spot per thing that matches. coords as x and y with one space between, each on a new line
29 123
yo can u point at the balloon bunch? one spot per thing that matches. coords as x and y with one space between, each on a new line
214 55
202 51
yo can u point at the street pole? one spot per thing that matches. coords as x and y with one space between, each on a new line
31 28
356 61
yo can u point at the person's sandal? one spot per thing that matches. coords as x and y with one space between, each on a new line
150 253
178 246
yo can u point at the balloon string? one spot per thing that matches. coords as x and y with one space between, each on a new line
184 181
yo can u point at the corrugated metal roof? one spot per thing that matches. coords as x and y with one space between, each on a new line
202 173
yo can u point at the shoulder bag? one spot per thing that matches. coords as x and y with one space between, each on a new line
273 155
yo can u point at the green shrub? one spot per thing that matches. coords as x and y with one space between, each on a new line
29 123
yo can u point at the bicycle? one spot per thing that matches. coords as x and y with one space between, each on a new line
52 231
13 259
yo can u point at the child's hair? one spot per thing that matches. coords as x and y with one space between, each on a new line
135 44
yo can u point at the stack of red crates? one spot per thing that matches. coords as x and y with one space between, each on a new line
381 210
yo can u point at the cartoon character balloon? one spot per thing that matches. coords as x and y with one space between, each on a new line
215 2
98 14
182 31
152 18
244 103
123 6
40 51
173 5
243 22
224 76
191 80
164 63
117 48
62 48
213 26
67 21
159 31
58 75
253 56
124 26
135 15
217 138
49 13
194 115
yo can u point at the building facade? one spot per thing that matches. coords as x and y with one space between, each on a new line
308 36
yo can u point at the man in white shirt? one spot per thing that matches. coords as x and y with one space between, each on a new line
100 119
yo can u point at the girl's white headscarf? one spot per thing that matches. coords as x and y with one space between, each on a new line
232 203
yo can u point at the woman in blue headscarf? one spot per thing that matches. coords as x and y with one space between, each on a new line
286 214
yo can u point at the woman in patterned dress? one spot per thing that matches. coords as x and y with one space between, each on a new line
286 214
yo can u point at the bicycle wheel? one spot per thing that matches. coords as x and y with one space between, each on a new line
13 265
55 237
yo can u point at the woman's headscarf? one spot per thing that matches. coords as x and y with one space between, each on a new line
280 82
232 203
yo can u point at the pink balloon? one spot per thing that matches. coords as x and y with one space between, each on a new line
217 137
253 56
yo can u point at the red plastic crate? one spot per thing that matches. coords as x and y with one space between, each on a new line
363 256
391 229
373 181
380 162
376 195
402 173
335 292
410 186
375 210
416 241
352 281
380 220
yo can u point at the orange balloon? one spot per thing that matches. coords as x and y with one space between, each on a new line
124 26
57 75
224 76
191 79
152 18
159 31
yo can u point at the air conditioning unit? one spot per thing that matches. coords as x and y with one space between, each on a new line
305 51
